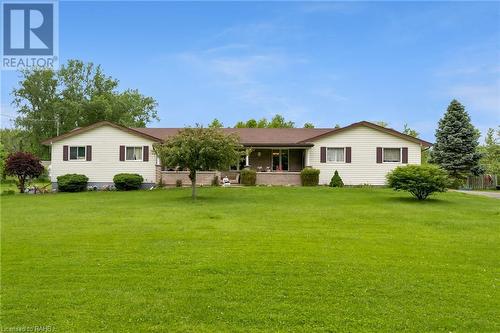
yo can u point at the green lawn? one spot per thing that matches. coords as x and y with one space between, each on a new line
251 259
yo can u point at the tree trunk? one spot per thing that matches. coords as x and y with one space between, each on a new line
192 175
21 185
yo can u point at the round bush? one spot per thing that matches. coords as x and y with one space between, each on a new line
420 180
127 181
72 182
309 177
248 177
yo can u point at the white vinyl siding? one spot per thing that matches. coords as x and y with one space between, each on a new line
105 142
363 168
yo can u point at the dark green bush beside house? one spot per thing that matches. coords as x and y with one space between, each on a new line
248 177
309 177
72 182
420 180
336 181
127 181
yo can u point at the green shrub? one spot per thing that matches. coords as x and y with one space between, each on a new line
420 180
336 180
8 192
127 181
178 183
215 181
44 177
248 177
309 177
72 182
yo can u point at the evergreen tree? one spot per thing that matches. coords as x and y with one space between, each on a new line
336 181
456 144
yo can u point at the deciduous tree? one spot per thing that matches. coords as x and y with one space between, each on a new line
215 124
278 121
51 102
198 149
491 152
411 132
24 166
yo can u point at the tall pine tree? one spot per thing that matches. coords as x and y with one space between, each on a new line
456 144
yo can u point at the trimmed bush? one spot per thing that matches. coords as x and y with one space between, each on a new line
248 177
8 192
420 180
215 181
127 181
178 183
336 180
309 177
72 182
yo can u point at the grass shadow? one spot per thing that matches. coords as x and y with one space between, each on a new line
413 200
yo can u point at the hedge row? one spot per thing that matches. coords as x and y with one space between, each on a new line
78 183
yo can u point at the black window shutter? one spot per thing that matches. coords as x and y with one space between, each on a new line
322 155
145 154
89 153
348 154
379 154
122 153
65 153
404 158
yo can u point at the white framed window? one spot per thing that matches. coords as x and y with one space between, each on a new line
335 154
392 155
77 153
133 153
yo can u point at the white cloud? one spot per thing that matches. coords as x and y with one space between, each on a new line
482 97
245 75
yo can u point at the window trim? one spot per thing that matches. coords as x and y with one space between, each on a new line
142 154
335 162
84 159
392 162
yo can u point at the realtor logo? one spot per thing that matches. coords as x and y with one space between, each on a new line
29 36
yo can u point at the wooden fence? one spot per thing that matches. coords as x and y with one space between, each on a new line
483 182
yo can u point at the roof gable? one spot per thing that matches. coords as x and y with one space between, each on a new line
81 130
375 127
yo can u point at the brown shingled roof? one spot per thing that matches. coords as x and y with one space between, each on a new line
256 137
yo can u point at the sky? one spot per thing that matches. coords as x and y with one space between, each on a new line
322 62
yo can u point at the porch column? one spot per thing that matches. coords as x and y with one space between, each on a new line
247 159
307 152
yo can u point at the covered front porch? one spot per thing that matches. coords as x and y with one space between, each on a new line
277 165
276 159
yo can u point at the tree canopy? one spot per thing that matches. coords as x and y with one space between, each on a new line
216 124
491 152
278 121
199 149
411 132
24 166
51 102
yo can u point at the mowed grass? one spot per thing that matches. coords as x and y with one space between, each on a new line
251 259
